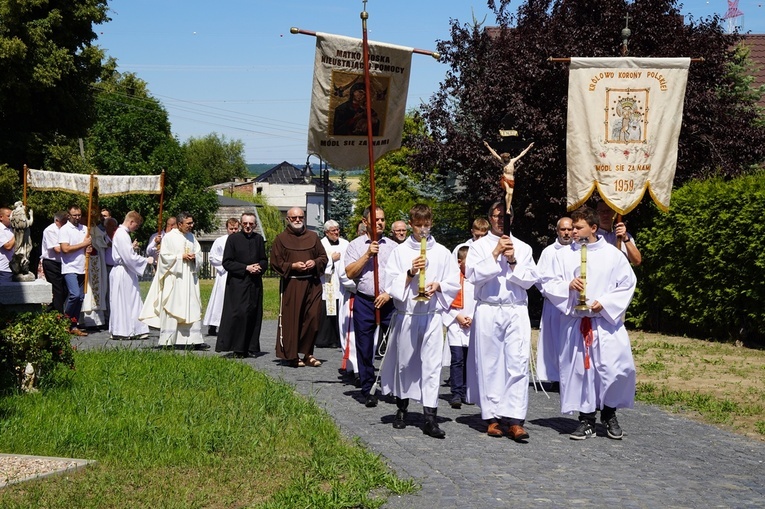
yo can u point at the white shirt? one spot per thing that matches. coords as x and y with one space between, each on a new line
6 234
74 261
50 241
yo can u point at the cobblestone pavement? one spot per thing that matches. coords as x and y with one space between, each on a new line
664 460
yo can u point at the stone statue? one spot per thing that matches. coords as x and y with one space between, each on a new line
507 182
20 224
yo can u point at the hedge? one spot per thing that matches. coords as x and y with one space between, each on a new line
703 271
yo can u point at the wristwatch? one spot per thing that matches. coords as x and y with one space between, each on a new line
410 273
627 239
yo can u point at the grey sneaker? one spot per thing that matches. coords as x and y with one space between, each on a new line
585 430
613 429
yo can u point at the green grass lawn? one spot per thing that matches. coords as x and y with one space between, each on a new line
173 430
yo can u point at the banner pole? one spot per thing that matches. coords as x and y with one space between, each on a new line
24 199
370 152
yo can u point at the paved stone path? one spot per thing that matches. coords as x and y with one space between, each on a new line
664 460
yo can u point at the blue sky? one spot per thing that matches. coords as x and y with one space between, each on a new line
232 66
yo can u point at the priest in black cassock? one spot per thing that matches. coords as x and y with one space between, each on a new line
244 258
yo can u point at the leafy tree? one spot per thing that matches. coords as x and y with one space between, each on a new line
131 136
213 155
342 205
9 184
398 187
504 73
48 63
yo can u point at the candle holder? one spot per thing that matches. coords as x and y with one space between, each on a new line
421 295
581 304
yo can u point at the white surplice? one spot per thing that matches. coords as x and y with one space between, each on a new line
412 364
94 304
500 337
125 297
548 345
610 380
215 304
173 304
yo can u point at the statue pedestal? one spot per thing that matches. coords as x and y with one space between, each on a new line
26 296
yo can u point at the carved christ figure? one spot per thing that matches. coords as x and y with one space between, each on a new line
507 182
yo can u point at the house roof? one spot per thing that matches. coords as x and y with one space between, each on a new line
756 44
282 173
289 174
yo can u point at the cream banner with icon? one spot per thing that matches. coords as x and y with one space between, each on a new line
624 118
338 124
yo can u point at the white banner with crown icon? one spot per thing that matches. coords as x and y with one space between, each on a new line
624 118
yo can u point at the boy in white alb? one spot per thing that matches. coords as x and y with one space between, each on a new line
412 365
458 320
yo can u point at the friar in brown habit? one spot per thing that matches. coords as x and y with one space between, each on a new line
298 256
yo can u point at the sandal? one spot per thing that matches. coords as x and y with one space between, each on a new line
312 361
297 363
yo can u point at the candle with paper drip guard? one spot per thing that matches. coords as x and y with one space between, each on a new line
581 304
421 295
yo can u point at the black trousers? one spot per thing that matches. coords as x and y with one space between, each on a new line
53 275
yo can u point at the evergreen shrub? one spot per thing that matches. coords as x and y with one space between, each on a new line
703 271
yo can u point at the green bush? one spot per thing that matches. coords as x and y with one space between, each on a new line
42 339
703 262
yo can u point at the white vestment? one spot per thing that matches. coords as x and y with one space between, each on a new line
94 304
331 285
500 338
412 364
347 334
456 335
215 304
610 380
548 345
173 304
125 297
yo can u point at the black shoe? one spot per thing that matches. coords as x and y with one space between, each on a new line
586 429
399 422
212 330
370 401
240 355
201 346
456 402
432 430
613 430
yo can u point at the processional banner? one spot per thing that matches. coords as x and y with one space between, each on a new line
108 185
624 118
337 127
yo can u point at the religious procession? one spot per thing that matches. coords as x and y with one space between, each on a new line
529 289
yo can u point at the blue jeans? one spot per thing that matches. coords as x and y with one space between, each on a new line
457 371
75 284
364 327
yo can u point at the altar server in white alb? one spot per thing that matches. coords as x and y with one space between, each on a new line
597 371
125 297
215 304
501 268
548 345
173 304
333 293
411 368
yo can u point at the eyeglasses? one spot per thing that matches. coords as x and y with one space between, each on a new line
295 218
